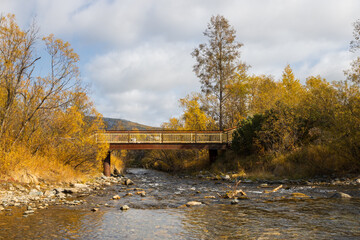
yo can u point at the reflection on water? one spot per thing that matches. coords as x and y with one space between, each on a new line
155 217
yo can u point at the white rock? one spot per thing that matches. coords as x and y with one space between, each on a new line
124 207
193 203
340 195
226 177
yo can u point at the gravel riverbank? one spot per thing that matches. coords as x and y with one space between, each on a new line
41 195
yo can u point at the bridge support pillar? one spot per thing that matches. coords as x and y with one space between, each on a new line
213 153
106 165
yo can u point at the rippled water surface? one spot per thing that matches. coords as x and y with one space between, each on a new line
161 214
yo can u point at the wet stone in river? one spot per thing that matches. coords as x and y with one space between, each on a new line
340 195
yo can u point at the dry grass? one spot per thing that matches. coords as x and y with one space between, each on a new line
117 163
22 166
310 161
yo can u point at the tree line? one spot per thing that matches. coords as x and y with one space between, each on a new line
283 126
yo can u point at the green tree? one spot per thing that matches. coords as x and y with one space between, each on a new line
217 62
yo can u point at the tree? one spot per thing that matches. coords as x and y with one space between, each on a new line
194 117
217 62
291 89
353 74
44 116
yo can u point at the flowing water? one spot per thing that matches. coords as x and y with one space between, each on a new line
161 214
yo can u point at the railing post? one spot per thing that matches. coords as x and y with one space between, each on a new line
128 139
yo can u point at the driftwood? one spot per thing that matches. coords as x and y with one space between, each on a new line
233 194
274 190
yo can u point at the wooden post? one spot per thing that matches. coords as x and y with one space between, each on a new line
212 155
106 164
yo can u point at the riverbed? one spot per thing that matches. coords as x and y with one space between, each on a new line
158 210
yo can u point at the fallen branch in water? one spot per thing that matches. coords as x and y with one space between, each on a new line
274 190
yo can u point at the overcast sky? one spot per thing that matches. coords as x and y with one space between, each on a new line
135 54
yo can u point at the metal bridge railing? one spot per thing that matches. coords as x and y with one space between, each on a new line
158 137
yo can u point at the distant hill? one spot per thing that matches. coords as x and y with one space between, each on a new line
121 124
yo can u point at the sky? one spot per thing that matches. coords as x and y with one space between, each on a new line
135 55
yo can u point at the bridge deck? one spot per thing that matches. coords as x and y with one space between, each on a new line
162 139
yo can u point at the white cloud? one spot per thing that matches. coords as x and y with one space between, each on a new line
140 106
140 49
152 67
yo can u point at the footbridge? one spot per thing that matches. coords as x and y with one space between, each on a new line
164 139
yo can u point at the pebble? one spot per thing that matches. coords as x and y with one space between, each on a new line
29 212
226 177
128 182
95 209
116 197
193 203
141 193
124 207
210 197
35 192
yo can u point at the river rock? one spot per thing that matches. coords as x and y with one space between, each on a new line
95 209
124 207
79 185
35 192
357 181
2 208
141 193
340 195
49 193
226 177
210 197
27 212
128 182
116 197
193 203
234 201
61 195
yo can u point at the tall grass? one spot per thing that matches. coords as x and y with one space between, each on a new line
23 166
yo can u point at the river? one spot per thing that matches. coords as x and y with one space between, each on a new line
161 213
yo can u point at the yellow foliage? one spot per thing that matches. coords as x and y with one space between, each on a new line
195 118
47 124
